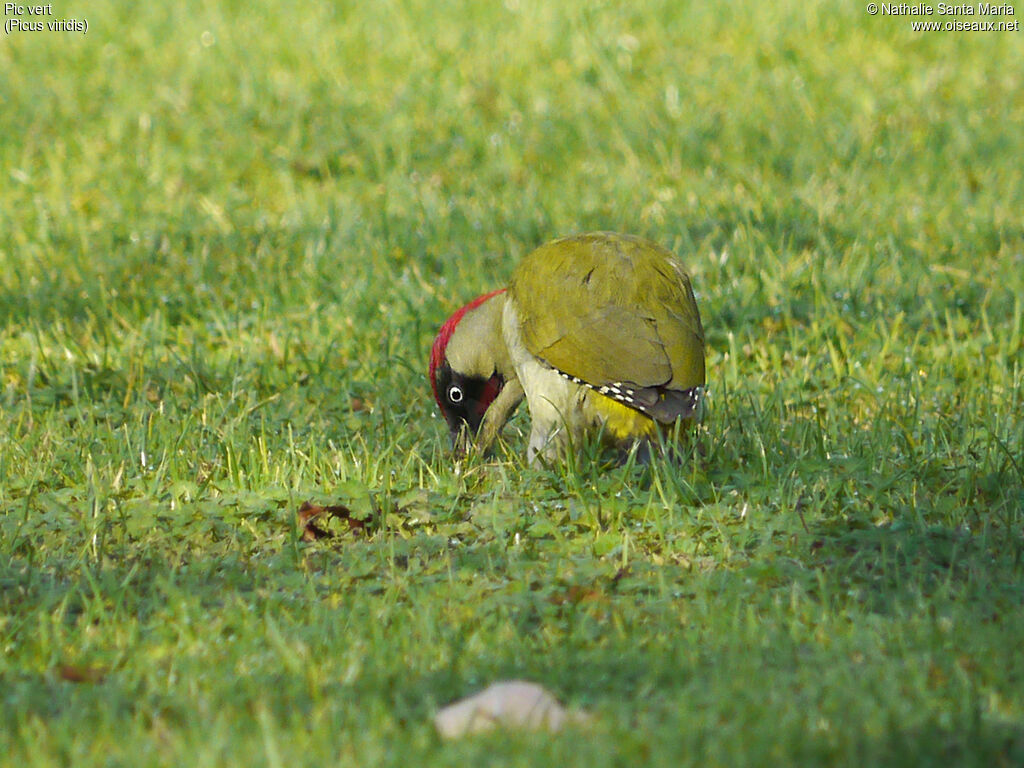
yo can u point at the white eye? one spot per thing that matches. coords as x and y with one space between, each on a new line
455 394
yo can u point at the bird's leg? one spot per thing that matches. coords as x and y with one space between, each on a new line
643 452
499 412
547 441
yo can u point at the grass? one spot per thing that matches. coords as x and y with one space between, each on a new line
227 236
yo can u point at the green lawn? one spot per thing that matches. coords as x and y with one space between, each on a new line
228 233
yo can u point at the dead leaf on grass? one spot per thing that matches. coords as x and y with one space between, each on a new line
308 513
514 704
576 594
76 673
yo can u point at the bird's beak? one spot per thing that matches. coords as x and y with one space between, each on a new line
462 440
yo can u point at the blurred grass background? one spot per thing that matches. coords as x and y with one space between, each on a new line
228 233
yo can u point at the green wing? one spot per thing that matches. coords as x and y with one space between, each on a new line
610 308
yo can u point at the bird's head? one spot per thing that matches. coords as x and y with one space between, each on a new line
467 365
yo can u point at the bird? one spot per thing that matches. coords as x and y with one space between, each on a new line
598 332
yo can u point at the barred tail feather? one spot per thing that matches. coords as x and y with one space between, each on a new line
675 404
663 405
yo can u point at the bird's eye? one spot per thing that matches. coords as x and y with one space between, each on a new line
455 394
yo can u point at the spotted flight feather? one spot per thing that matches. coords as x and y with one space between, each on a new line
660 404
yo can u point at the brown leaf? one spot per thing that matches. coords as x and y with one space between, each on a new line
310 531
309 512
576 594
75 673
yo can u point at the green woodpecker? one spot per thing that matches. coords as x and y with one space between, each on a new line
597 331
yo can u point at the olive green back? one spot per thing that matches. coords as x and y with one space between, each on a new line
611 308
